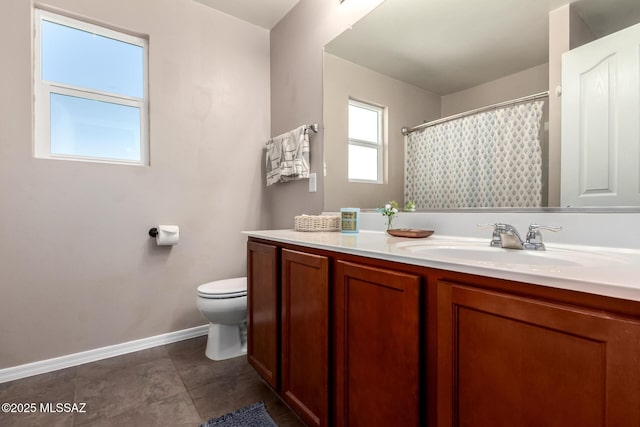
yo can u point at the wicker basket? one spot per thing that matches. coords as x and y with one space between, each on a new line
317 223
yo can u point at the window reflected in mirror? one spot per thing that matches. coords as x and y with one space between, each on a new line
365 142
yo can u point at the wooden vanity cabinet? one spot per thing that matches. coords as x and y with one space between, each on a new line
356 341
507 360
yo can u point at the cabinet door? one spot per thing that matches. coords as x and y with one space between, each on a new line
510 361
263 310
305 335
377 347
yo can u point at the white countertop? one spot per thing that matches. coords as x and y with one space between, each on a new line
602 271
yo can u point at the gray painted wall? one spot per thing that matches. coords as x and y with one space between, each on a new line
296 92
527 82
78 270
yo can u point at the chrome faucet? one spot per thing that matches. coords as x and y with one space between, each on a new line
507 236
534 237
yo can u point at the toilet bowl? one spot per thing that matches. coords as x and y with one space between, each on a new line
224 304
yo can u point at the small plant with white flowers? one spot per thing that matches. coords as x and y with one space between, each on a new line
389 210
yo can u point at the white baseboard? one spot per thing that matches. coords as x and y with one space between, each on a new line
43 366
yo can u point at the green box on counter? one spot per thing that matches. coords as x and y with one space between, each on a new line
350 220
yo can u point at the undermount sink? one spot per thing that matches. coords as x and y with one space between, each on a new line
481 253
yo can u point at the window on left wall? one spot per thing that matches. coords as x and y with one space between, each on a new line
91 101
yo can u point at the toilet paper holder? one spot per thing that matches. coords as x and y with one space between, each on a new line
165 235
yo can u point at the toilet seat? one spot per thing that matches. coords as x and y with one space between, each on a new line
223 289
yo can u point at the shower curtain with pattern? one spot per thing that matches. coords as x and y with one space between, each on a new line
489 159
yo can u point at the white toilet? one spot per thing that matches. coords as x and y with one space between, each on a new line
224 304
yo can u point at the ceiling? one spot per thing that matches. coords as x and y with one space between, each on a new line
264 13
445 46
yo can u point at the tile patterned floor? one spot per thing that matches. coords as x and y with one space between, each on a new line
173 385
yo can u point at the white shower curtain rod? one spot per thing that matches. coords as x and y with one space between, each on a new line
407 131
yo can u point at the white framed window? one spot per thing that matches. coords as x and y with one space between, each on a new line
90 87
365 142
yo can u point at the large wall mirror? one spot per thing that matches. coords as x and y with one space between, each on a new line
419 61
